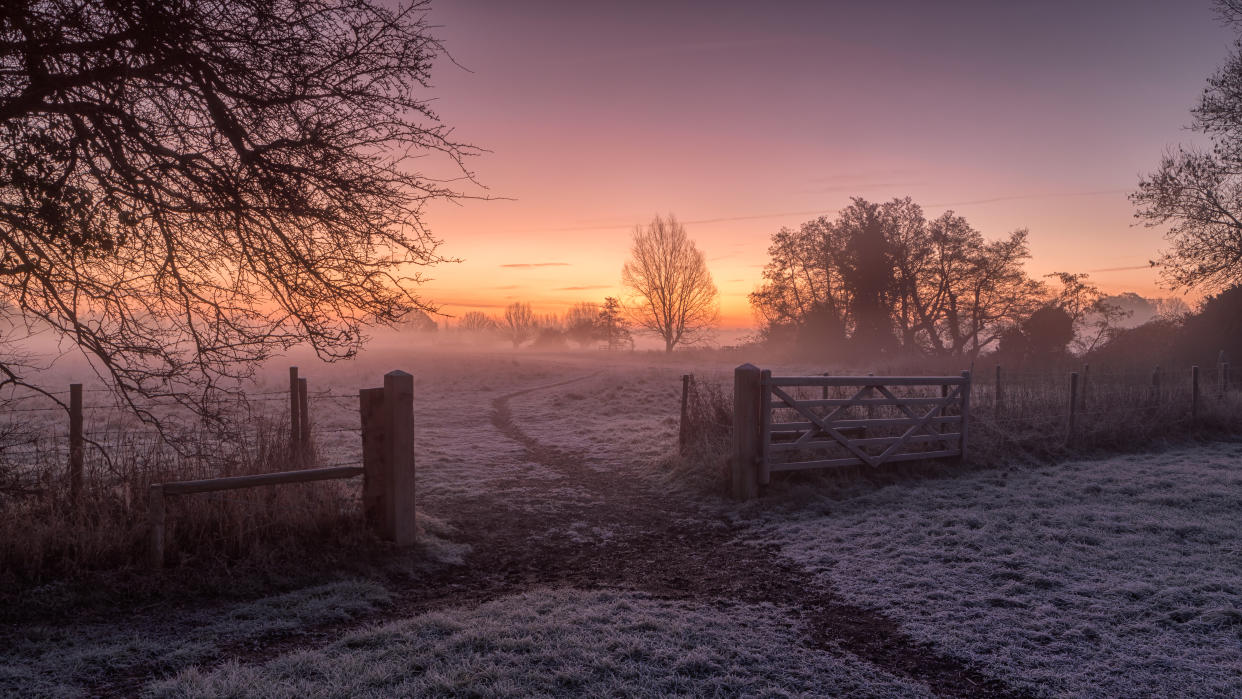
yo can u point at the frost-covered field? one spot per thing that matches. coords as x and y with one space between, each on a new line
560 559
560 642
1118 577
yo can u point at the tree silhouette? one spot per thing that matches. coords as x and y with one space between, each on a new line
881 277
1092 314
477 322
187 186
1197 193
613 327
673 290
1043 338
582 324
519 324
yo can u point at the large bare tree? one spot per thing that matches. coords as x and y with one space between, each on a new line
673 292
881 277
187 186
1197 193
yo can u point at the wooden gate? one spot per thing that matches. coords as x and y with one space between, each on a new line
792 423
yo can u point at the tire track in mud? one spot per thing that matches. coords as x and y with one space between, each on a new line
672 549
660 544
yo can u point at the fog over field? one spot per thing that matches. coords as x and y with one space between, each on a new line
681 349
563 549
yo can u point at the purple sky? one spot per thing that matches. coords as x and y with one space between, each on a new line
743 117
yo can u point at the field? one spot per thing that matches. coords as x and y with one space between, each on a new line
566 549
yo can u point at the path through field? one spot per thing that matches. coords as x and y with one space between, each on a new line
550 485
576 567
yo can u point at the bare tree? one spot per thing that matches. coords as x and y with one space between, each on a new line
1092 314
1198 193
880 275
477 322
187 187
582 323
519 323
674 295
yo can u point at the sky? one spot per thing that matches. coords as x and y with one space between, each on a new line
743 117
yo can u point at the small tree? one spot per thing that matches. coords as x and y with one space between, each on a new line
672 287
519 323
419 321
613 327
1091 313
582 323
476 322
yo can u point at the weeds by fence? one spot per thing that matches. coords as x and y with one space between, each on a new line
1035 415
65 511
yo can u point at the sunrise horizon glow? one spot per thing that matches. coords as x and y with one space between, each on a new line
741 119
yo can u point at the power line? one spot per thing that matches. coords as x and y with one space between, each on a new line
824 212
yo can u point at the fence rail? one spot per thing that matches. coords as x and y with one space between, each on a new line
156 510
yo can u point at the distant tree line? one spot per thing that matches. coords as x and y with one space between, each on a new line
1179 337
584 324
671 295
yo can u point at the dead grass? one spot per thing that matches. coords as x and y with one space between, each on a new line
52 550
703 462
1120 413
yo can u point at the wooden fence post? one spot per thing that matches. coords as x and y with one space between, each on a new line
682 427
765 416
965 429
374 471
747 388
1222 370
1194 392
295 430
155 515
1073 406
304 435
399 454
1082 389
999 392
75 442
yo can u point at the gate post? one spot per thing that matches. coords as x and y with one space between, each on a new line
965 427
1073 407
682 427
388 457
399 454
295 411
1194 392
374 470
304 430
75 443
747 430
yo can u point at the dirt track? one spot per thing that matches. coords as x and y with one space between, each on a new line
654 542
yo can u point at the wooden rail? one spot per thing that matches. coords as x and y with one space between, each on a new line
159 491
387 472
823 432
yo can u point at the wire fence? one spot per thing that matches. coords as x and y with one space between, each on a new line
1039 413
36 434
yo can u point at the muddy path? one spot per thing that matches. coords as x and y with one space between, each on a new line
624 533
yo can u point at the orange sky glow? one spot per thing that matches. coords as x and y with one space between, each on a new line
740 118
